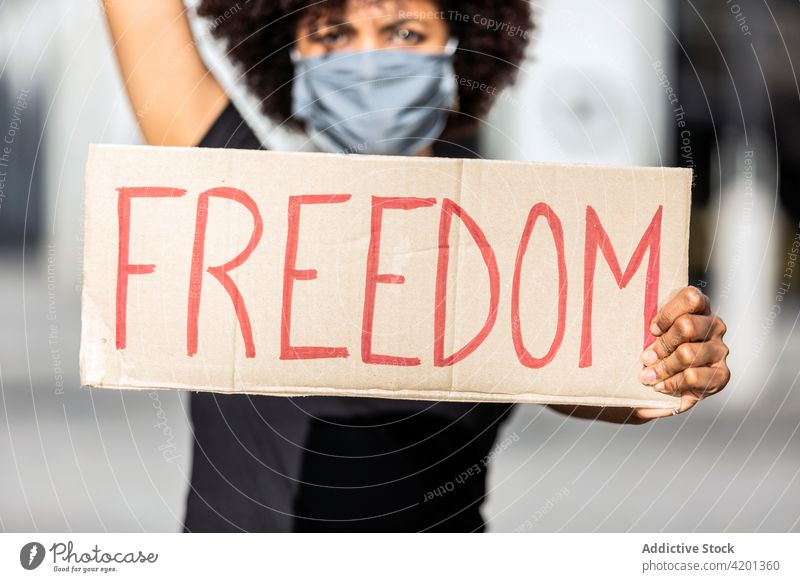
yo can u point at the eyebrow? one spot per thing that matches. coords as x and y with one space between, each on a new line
333 24
345 25
400 22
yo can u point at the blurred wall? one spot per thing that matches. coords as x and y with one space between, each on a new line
589 92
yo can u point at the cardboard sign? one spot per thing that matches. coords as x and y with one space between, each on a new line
330 274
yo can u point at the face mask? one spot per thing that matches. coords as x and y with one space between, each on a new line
374 102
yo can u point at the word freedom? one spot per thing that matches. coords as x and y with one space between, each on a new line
596 239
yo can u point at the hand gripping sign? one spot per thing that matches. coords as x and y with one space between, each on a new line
328 274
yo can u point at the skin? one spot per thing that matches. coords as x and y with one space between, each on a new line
688 357
414 25
173 95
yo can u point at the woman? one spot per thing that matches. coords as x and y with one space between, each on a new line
382 76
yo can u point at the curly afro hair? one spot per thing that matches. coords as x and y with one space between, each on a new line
259 35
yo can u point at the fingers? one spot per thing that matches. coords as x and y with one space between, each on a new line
689 300
685 356
704 381
692 384
688 399
688 356
686 328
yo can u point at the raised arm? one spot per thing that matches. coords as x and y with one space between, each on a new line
174 97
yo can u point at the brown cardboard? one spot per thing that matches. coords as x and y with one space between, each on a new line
335 238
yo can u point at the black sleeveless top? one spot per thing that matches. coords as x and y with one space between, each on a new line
267 463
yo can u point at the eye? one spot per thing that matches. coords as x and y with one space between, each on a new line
333 38
330 38
408 36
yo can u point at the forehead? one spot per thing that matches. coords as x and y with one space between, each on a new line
364 11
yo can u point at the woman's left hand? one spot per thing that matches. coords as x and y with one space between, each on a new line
688 356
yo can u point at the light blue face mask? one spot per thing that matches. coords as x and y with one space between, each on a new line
384 101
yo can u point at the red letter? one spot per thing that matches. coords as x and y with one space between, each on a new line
290 273
124 269
220 273
524 356
440 314
596 237
373 277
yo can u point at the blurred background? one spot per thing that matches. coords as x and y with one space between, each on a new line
706 84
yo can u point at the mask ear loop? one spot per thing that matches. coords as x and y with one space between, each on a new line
449 50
